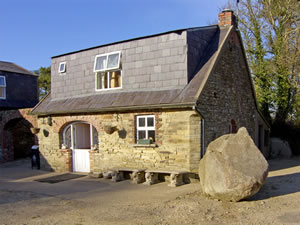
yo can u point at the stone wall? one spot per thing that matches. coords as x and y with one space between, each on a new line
147 63
228 94
177 141
15 132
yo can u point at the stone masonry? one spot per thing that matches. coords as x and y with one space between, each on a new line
227 94
177 141
8 120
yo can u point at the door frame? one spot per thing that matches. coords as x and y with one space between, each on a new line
72 127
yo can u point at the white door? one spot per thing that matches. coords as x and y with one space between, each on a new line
81 160
81 144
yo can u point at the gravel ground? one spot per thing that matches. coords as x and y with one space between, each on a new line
97 201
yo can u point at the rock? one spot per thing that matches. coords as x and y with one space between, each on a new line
280 148
232 168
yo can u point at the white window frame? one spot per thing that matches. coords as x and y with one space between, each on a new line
105 66
64 70
4 87
146 127
108 70
108 80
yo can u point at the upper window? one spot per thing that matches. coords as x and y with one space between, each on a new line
108 72
108 61
62 67
145 127
2 87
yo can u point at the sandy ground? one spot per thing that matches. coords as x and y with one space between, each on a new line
99 201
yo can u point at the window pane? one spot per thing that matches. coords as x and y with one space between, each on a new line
62 67
141 122
141 134
2 81
150 122
98 81
113 61
102 80
101 63
151 135
67 140
115 79
95 136
2 92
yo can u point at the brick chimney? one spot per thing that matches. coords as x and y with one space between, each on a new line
227 18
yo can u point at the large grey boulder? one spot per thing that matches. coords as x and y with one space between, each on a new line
280 148
232 168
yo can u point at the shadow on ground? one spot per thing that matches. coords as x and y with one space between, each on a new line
285 163
279 186
18 183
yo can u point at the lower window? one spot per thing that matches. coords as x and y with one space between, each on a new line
145 127
2 93
108 79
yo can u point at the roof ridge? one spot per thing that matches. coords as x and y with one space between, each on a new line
15 68
24 69
136 38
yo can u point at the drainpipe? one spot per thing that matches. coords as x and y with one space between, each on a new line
202 131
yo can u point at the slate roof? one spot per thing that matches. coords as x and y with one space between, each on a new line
14 68
185 97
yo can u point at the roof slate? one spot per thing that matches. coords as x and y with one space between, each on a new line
143 99
14 68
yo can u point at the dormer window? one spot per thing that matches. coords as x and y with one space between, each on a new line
62 67
108 72
2 87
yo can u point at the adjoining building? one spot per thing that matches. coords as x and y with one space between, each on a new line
18 94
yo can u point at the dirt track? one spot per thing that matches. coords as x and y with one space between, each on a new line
98 201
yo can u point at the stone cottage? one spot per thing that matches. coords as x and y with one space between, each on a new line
149 102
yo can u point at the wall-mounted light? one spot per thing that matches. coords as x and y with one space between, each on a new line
117 116
49 121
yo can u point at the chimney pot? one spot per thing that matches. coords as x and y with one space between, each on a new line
227 18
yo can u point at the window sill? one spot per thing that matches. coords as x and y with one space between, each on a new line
145 145
108 89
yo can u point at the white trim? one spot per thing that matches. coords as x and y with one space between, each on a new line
4 87
105 66
91 135
146 128
64 69
72 137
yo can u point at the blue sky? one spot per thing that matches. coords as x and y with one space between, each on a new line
32 31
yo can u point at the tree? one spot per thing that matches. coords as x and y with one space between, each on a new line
270 32
44 80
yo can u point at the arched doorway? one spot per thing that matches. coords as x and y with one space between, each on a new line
18 139
80 137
